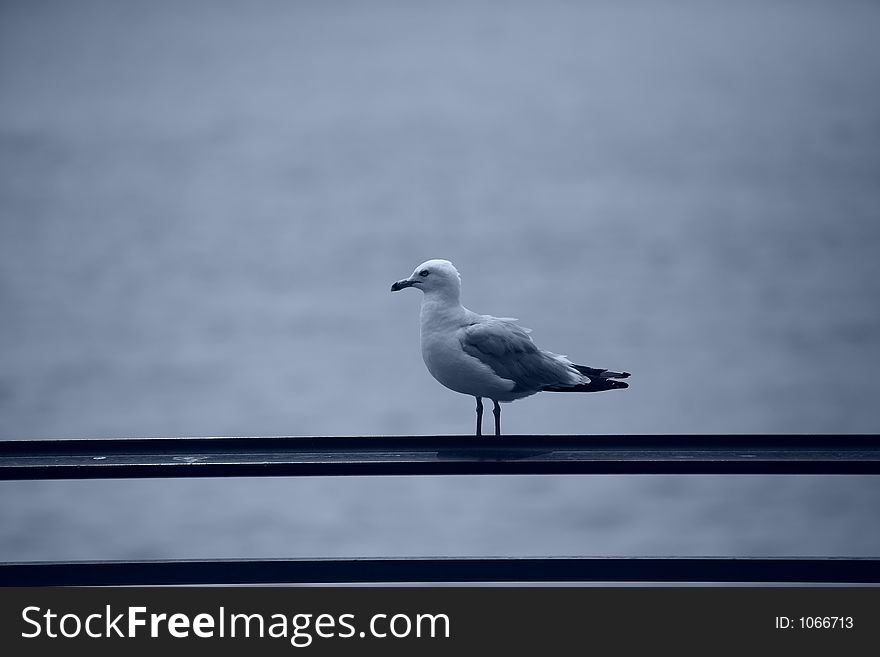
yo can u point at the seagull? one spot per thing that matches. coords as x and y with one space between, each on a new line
485 356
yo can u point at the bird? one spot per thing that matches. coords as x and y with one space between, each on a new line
489 357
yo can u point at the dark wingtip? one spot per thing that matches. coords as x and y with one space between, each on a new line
597 385
607 384
596 373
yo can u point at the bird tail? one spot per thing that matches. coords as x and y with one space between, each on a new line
599 380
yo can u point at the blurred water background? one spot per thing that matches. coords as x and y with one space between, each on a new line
203 204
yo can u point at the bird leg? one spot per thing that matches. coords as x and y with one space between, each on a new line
479 416
497 413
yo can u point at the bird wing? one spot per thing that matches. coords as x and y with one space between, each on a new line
508 349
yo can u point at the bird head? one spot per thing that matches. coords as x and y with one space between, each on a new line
433 277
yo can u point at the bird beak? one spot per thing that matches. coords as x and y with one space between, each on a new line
399 285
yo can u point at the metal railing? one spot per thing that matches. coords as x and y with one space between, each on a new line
441 455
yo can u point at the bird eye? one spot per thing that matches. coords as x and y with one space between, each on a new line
424 272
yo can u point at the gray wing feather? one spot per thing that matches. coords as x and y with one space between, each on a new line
509 351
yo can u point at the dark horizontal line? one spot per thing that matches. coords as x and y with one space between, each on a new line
447 570
438 455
